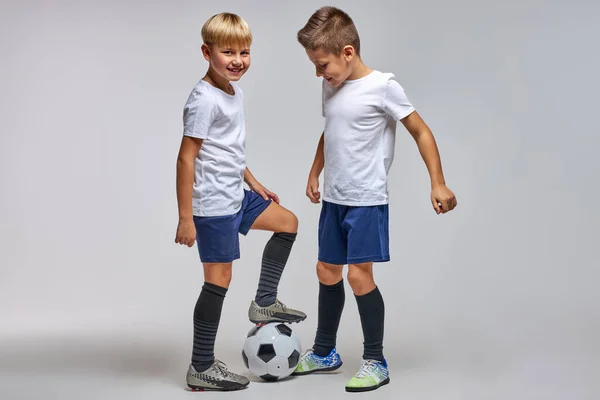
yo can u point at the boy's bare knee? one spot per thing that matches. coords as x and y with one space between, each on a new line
360 278
354 278
218 274
226 278
329 274
291 223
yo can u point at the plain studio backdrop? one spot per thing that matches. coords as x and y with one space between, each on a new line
497 300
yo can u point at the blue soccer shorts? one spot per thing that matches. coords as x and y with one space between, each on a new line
218 237
353 234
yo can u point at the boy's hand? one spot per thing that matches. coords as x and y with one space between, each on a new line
186 233
263 192
312 190
442 199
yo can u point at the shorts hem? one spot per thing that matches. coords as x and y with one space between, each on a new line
321 259
375 259
223 259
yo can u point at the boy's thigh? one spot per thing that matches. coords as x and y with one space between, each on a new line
276 218
333 239
217 238
368 234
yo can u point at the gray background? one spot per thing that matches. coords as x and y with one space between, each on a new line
496 300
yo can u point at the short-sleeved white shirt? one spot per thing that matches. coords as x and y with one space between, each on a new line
360 130
218 118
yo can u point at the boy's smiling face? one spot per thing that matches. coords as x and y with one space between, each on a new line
335 69
229 62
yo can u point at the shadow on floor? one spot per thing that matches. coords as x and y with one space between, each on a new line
112 355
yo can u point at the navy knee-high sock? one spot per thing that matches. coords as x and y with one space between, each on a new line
372 312
331 305
207 315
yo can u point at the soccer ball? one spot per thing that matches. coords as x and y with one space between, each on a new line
272 351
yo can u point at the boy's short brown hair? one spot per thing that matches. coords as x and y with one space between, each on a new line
226 29
329 29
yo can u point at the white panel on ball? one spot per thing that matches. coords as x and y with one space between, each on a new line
257 366
251 346
279 367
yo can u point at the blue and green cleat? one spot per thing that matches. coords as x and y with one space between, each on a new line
371 375
310 362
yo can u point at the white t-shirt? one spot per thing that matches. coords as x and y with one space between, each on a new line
218 118
360 131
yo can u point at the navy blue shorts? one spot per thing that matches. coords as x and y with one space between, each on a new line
353 235
218 237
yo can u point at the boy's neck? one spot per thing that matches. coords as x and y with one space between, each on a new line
217 81
359 70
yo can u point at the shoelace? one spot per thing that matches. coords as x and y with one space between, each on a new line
281 305
366 366
222 368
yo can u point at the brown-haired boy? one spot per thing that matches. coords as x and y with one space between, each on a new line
361 107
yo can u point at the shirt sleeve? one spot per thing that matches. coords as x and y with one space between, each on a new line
198 115
396 103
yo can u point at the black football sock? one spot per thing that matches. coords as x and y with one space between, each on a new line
372 312
331 305
207 315
275 256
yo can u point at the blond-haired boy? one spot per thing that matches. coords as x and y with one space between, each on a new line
361 107
214 207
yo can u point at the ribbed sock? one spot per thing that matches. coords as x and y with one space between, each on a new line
207 315
275 256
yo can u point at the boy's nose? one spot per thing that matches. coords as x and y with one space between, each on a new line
319 73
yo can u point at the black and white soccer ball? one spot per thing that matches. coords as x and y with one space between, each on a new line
271 351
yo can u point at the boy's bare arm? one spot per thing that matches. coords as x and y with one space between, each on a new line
442 198
312 188
319 161
258 188
186 231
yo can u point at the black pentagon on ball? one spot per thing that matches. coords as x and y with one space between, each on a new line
266 352
284 329
294 358
269 378
245 358
253 331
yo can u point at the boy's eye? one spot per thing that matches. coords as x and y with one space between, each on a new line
324 66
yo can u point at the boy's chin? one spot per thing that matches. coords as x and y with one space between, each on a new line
229 76
234 78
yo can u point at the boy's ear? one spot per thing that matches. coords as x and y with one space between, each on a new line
206 52
348 52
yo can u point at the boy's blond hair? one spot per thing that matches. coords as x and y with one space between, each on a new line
226 29
329 29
